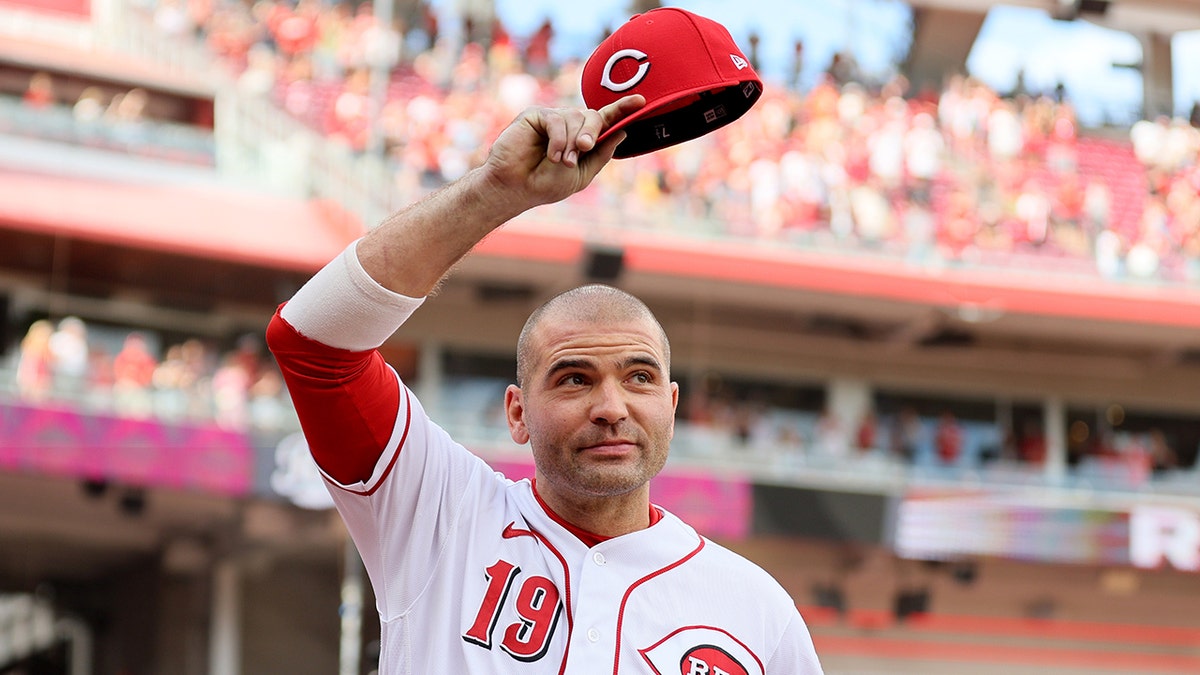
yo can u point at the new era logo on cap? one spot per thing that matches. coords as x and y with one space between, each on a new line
694 77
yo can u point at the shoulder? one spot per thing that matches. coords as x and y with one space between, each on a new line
744 574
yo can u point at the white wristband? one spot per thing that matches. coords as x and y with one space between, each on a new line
342 306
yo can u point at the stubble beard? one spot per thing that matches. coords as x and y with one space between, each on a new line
564 465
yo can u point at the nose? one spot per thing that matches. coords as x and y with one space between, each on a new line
608 403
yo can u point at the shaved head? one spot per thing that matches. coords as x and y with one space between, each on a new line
594 303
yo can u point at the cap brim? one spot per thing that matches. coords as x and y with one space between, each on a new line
640 138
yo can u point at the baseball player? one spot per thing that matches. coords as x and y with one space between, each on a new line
575 571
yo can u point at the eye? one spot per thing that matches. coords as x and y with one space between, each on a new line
642 377
573 380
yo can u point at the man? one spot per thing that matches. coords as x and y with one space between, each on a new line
574 572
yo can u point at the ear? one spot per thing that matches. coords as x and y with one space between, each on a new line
514 411
674 405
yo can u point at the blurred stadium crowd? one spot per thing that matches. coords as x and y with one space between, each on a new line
960 176
964 175
133 375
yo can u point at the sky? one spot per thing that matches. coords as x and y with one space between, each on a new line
875 31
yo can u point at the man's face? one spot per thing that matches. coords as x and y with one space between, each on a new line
597 406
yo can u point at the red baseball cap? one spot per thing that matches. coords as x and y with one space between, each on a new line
692 74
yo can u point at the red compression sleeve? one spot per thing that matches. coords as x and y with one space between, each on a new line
347 401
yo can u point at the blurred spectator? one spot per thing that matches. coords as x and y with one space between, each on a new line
197 378
70 353
1097 206
126 116
295 32
40 91
796 66
100 379
1005 133
35 362
248 351
1110 254
843 69
261 73
267 407
89 107
867 438
230 31
1033 211
231 393
382 47
133 374
754 40
948 439
172 18
170 380
1031 445
924 148
830 436
537 51
350 116
1162 456
1148 138
332 25
906 434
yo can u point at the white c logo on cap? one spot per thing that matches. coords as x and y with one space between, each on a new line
606 80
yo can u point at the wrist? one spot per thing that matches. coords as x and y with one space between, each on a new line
503 197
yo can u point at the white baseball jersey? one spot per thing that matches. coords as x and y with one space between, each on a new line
473 574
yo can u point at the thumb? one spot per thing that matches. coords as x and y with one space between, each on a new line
621 108
593 161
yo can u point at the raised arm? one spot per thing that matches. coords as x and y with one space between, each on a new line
325 337
545 155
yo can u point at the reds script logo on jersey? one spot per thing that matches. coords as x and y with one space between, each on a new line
701 650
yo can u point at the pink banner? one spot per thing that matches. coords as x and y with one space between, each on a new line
718 507
137 452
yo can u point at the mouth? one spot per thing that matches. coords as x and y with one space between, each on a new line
610 448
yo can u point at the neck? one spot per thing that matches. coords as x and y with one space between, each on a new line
607 516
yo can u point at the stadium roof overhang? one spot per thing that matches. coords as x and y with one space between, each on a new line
976 293
202 221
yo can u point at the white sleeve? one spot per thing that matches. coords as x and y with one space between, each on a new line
796 655
342 306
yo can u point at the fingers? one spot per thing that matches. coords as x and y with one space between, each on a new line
601 154
557 131
571 133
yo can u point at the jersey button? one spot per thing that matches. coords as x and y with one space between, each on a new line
598 558
593 635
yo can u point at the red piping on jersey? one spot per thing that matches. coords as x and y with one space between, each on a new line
639 582
511 532
395 455
679 630
589 539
